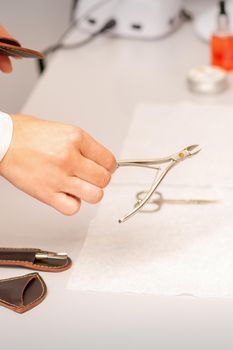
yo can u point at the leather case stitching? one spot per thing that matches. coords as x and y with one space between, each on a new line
20 249
32 264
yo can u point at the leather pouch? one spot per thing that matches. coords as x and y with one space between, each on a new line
35 259
9 46
22 293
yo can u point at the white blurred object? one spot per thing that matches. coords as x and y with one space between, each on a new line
145 19
197 6
207 80
206 22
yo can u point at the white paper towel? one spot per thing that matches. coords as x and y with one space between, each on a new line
182 249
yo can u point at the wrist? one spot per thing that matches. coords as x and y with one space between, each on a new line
6 133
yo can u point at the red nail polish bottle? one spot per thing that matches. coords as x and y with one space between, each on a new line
222 41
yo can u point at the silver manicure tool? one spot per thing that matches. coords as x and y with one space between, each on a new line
49 255
157 200
153 164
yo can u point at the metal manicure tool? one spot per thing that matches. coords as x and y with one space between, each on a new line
50 255
157 200
160 174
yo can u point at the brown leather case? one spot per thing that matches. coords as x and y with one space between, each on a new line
27 257
9 46
22 293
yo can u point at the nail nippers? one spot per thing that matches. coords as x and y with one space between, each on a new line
171 161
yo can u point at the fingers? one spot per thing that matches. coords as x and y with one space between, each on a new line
65 204
84 190
91 172
56 163
5 64
91 149
68 202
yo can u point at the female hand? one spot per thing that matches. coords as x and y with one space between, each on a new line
58 164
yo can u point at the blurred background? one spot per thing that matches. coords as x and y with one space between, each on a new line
38 24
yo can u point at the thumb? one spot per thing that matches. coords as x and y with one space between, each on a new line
5 64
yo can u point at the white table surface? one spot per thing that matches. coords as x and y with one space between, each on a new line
98 88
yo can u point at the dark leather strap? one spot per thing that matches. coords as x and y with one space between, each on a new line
17 254
6 38
9 46
22 293
26 257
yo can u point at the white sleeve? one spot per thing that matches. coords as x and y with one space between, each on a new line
6 132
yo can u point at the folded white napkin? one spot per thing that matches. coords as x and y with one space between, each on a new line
182 249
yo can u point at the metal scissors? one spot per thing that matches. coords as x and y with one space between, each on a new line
157 200
153 164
